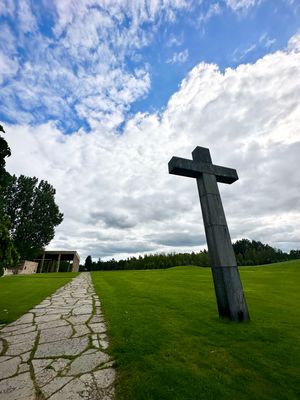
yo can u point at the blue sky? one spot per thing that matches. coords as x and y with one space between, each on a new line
98 92
226 38
165 46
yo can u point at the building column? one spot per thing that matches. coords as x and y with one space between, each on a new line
42 263
58 262
75 266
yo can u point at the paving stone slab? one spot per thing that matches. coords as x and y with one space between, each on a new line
17 388
98 311
82 310
96 319
87 362
26 337
54 334
44 376
21 331
105 377
25 319
52 324
4 358
82 388
81 330
78 319
10 367
25 357
63 312
56 384
98 328
60 364
67 347
19 348
14 326
24 367
44 305
57 329
104 344
46 318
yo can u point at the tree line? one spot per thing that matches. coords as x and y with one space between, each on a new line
248 252
28 214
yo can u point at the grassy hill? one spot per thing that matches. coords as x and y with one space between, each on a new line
169 343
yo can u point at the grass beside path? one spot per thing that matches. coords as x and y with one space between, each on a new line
169 343
19 293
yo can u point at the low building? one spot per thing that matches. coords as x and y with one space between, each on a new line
59 261
24 268
28 267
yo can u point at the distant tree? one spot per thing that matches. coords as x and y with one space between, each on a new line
81 268
31 208
88 264
294 254
247 253
251 252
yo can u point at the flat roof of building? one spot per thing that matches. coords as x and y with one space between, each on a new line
62 252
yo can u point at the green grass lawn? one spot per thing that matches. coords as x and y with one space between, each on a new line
169 343
19 293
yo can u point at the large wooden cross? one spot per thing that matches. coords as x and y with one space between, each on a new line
228 287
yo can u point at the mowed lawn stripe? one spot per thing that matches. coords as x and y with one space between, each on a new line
169 343
19 293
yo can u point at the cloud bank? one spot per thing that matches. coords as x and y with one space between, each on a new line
114 188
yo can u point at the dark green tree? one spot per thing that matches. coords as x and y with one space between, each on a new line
88 264
8 253
4 149
4 175
32 210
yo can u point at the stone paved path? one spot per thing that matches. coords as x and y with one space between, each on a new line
57 350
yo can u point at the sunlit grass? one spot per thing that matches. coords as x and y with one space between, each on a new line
19 293
169 343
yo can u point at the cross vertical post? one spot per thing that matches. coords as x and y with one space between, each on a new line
228 287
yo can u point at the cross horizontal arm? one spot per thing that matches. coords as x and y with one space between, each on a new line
194 169
225 175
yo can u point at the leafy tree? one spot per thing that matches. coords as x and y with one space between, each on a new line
294 254
256 253
4 175
8 254
247 253
4 150
33 213
88 263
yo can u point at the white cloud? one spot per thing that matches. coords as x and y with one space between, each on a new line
7 7
265 41
179 57
8 67
239 5
213 9
27 20
239 54
115 190
80 75
294 43
174 40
